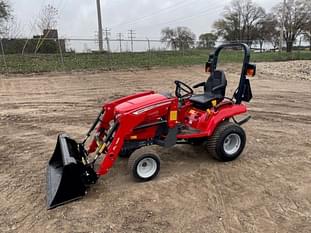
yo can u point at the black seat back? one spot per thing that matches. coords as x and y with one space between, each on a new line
217 79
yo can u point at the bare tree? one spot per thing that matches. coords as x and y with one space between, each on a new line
46 22
207 40
169 37
5 14
307 28
296 17
239 22
178 38
268 30
48 18
12 29
307 34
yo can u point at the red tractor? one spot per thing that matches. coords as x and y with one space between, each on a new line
130 125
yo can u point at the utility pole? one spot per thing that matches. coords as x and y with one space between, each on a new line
149 52
149 49
100 27
107 34
282 27
119 35
131 33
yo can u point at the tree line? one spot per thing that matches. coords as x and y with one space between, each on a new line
242 21
246 22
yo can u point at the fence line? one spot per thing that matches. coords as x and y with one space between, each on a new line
46 54
161 44
61 53
3 56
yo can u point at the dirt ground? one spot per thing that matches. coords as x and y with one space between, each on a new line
268 189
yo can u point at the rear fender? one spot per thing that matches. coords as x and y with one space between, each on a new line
222 114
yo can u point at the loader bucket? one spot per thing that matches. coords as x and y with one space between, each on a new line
64 173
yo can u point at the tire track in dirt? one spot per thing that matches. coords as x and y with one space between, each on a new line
266 190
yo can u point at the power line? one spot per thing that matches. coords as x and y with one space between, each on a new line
107 34
161 11
199 14
131 33
194 15
119 36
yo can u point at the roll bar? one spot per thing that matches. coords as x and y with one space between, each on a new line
213 60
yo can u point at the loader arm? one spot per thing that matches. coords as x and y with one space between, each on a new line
108 115
125 126
127 122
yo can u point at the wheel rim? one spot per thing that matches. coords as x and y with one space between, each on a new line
146 167
232 143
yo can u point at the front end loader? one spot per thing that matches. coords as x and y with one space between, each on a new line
134 125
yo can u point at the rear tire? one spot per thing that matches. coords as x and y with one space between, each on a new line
227 142
144 164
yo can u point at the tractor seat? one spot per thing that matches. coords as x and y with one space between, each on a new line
214 89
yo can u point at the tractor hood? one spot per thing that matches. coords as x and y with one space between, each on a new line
139 103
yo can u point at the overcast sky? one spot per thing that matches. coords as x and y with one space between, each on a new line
77 18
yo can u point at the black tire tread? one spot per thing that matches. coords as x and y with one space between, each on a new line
211 144
137 154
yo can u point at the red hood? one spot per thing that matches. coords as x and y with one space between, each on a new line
139 103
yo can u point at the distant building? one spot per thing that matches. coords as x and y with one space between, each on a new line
48 42
50 33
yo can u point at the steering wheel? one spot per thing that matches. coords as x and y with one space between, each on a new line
182 87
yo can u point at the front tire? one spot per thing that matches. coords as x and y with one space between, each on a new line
126 153
144 164
227 142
